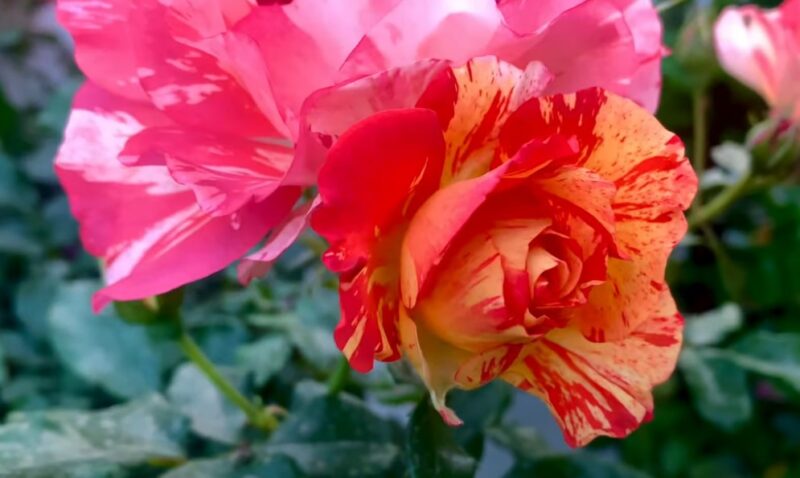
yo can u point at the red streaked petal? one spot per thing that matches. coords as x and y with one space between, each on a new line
598 389
473 103
368 327
374 179
443 215
435 361
572 116
329 112
624 145
589 195
360 199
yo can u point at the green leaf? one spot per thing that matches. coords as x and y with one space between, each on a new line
17 239
211 414
264 358
711 327
54 115
102 349
336 436
574 465
62 228
478 409
15 194
3 372
733 161
315 344
432 449
270 466
523 442
34 296
718 386
58 443
313 341
774 355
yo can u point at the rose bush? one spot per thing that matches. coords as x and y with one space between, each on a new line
488 232
191 140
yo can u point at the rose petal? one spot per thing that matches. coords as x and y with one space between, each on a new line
304 44
761 48
598 389
258 263
225 172
148 228
360 201
614 44
189 245
473 103
189 84
362 215
623 144
103 46
416 29
330 111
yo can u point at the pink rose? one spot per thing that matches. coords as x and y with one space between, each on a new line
761 48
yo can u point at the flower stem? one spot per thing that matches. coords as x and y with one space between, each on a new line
339 378
258 417
700 133
702 215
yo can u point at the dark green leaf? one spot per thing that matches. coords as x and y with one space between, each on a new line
35 295
523 442
211 413
49 444
336 436
711 327
478 409
270 466
718 386
102 349
264 358
577 465
432 450
17 239
774 355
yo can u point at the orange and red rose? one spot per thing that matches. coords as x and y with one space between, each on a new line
489 232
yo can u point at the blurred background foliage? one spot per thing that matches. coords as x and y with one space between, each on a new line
113 396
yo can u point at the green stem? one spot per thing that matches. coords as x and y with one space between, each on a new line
339 378
700 123
702 215
258 417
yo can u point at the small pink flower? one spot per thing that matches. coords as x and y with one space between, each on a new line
192 139
761 48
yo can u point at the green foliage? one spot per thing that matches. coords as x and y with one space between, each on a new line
68 444
111 395
96 347
432 448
